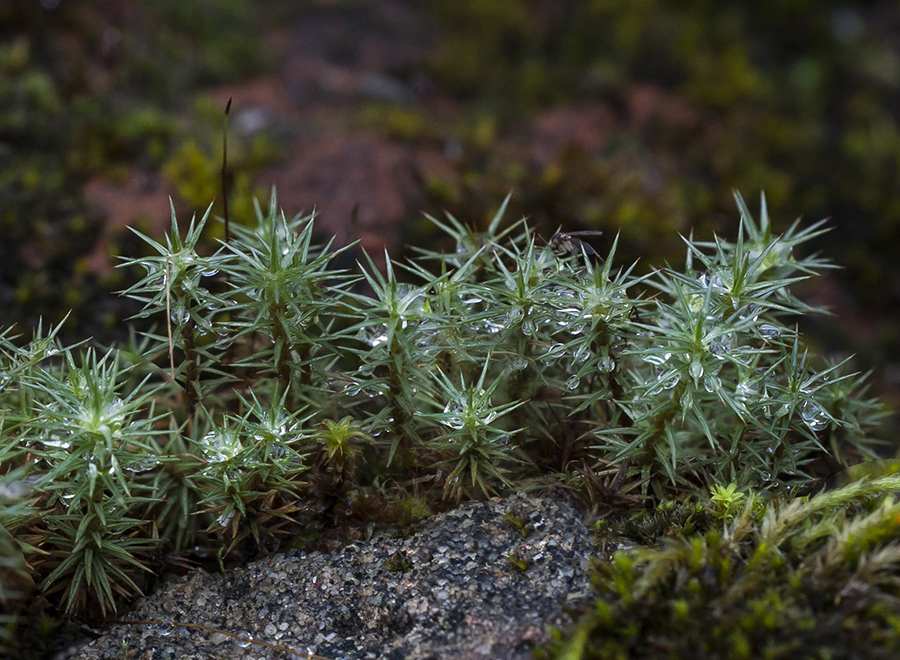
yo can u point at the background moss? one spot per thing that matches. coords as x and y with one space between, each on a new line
798 99
92 90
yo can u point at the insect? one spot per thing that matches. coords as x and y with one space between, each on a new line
562 244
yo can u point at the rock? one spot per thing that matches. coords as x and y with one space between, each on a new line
448 590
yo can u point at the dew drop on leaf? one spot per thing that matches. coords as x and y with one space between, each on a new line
582 354
180 315
814 416
768 330
556 351
518 364
712 383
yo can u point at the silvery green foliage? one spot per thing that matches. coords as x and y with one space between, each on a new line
276 388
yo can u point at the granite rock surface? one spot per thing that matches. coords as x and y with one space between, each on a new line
483 581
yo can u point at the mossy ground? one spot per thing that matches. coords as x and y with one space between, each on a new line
813 577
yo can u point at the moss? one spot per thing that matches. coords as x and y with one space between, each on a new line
802 578
403 123
441 193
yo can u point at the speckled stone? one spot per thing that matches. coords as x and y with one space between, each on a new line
459 597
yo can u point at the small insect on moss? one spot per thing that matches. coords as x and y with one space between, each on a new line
563 244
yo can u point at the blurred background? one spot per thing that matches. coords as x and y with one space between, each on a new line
631 116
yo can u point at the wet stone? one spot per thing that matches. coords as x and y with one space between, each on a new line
461 598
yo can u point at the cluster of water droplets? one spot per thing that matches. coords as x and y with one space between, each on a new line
427 336
221 444
721 344
455 415
143 464
468 411
666 377
56 440
355 388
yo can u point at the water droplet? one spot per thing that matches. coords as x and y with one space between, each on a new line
712 383
180 315
744 393
555 351
710 280
244 639
210 272
606 364
696 370
492 327
518 364
721 344
372 338
454 420
768 330
814 415
55 441
529 328
224 520
572 382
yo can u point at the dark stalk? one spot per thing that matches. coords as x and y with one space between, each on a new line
225 171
